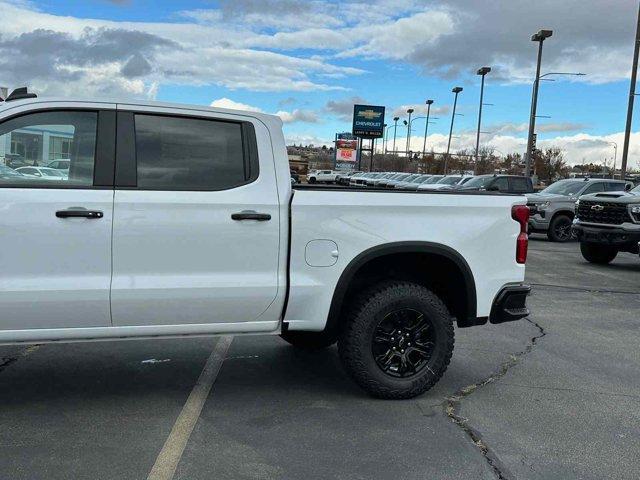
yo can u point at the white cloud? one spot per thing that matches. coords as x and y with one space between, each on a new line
307 116
178 53
578 148
295 116
228 103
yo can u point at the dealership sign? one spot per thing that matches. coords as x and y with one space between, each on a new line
368 121
346 151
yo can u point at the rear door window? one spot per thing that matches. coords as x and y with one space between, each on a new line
615 186
502 184
181 153
519 185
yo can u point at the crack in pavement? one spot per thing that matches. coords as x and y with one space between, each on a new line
7 361
452 405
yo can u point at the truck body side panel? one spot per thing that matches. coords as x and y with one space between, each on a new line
478 227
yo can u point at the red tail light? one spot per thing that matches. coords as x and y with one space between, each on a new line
520 213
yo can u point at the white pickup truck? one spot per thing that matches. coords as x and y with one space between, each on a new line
182 221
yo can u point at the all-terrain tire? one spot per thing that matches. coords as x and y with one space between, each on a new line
597 253
367 312
310 340
560 229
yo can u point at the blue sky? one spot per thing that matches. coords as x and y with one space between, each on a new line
309 61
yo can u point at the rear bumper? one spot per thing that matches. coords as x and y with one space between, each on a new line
510 304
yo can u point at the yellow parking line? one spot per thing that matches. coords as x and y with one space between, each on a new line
165 466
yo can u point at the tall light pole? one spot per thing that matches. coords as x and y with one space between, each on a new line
482 72
395 131
410 111
632 94
384 136
539 37
615 155
426 128
456 91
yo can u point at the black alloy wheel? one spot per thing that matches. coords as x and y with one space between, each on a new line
403 343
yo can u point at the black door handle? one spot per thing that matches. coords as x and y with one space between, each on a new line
79 214
251 215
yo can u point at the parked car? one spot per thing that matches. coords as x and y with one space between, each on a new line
499 183
14 161
63 164
361 180
448 182
322 176
405 183
344 178
43 173
174 249
385 176
8 173
372 177
294 176
393 181
416 182
357 178
608 223
552 209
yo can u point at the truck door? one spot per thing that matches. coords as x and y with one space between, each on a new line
55 254
196 232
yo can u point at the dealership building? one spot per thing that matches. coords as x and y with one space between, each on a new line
38 145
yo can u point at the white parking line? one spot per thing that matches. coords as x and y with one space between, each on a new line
165 466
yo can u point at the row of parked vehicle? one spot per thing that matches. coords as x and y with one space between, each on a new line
419 181
43 173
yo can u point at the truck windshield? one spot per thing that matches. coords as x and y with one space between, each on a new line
564 187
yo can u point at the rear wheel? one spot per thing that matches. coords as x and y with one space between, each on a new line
312 180
560 229
597 253
397 340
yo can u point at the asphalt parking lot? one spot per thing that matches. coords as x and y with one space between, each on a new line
554 396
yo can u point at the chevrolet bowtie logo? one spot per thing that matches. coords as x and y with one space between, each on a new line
597 208
369 114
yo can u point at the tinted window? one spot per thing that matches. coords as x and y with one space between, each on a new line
188 154
37 139
519 184
594 188
615 186
502 183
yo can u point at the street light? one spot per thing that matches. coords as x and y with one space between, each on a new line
426 128
410 111
482 72
384 136
615 155
539 37
456 90
395 131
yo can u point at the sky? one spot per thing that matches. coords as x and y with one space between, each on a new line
310 61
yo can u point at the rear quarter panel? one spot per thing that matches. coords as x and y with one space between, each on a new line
478 227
